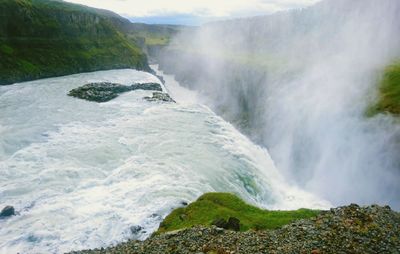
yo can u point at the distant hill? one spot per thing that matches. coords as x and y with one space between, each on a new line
152 38
44 38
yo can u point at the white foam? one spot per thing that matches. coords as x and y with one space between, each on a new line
81 174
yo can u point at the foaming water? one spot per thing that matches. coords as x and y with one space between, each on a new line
81 174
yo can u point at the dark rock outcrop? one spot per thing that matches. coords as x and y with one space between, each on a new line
219 223
232 223
106 91
136 229
99 92
159 96
7 211
146 86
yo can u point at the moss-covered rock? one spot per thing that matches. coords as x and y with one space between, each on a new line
213 206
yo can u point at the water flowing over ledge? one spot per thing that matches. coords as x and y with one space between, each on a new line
81 174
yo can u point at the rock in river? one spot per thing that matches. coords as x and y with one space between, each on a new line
146 86
159 96
7 211
106 91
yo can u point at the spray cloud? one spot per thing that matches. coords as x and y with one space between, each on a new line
299 83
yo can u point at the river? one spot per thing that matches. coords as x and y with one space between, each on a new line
83 174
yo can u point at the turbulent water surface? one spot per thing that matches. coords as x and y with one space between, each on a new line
81 174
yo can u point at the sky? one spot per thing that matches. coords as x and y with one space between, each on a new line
192 12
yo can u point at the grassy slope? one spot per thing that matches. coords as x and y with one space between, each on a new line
153 35
152 38
389 92
40 38
211 206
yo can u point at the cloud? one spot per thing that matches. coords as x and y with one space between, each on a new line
198 8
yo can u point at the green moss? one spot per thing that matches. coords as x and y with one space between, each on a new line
27 66
6 49
157 40
211 206
389 92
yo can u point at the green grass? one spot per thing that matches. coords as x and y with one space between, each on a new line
154 35
150 39
211 206
389 92
157 40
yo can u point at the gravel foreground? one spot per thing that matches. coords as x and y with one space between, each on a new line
348 229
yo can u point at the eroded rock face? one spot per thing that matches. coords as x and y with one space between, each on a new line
159 96
106 91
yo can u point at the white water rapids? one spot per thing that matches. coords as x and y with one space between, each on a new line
80 174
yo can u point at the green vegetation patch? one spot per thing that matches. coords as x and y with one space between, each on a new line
212 206
6 49
389 92
153 35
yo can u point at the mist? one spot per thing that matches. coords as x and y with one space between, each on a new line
299 83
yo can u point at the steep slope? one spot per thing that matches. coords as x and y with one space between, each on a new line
42 38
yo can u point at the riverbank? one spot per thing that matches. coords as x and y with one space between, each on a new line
347 229
43 39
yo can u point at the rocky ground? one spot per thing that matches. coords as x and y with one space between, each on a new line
349 229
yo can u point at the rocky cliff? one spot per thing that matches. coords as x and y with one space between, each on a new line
42 38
